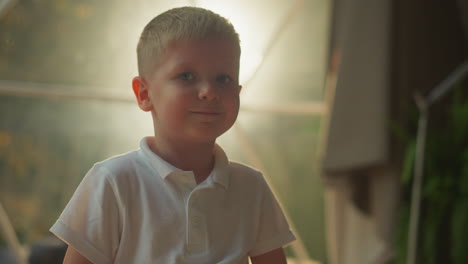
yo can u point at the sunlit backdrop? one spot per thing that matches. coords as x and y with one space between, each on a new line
66 100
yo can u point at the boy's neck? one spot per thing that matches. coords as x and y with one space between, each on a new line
198 158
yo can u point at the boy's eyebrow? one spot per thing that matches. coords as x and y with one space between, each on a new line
180 67
184 66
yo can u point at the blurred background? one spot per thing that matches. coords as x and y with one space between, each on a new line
66 101
327 112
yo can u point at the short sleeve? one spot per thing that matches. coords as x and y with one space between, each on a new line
90 221
273 229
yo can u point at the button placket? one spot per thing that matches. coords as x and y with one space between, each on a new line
196 226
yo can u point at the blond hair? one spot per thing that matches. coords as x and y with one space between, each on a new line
182 23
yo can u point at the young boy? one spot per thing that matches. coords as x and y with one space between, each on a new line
178 199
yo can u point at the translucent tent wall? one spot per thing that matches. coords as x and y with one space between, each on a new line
66 101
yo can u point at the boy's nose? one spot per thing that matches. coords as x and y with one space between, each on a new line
208 92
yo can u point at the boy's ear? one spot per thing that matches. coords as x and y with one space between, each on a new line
140 88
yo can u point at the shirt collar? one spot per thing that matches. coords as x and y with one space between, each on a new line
219 174
162 167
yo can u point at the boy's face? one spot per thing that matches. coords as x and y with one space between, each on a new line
194 92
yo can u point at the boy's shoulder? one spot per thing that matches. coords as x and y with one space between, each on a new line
119 164
240 167
235 168
244 172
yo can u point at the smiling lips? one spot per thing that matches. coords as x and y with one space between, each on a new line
206 114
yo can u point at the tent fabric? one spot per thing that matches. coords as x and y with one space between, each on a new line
357 135
361 188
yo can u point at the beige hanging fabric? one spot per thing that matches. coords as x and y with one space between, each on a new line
361 189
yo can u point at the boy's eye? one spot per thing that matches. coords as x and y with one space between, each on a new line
223 79
186 76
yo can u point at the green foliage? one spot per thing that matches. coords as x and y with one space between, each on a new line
402 234
443 232
460 232
459 228
408 165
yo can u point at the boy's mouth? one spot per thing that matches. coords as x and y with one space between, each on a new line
205 112
206 115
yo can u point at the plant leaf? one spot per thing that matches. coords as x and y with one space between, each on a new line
408 164
460 232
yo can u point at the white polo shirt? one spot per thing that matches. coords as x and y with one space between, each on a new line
137 208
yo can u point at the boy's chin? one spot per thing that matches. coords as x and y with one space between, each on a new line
207 137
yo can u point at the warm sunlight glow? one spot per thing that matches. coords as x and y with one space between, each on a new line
251 56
